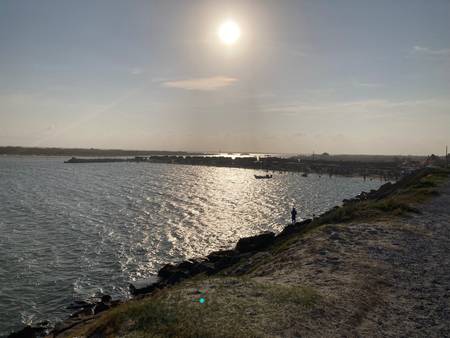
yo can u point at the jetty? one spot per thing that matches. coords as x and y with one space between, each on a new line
387 170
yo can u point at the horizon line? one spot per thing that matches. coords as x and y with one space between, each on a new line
216 151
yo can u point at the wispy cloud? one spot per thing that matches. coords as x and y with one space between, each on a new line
136 71
426 51
203 84
367 84
373 107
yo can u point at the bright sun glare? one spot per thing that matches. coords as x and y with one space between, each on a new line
229 32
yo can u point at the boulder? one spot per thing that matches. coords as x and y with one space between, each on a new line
106 299
26 332
172 274
218 255
100 307
225 262
202 266
186 265
255 243
45 324
40 330
222 259
294 228
176 277
143 286
167 270
80 304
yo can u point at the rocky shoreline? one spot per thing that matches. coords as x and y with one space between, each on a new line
169 274
248 250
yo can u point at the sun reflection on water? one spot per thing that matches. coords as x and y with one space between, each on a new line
93 228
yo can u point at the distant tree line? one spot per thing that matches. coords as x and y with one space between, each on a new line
82 152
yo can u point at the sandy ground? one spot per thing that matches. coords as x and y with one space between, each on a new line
381 279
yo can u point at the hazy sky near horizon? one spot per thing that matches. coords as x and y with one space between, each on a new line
348 76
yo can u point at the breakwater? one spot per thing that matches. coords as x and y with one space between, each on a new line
386 170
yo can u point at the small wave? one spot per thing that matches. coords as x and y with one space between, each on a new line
92 229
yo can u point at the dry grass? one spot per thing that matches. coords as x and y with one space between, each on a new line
234 307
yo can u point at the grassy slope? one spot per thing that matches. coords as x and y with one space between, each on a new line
257 297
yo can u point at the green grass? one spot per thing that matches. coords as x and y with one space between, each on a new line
235 307
403 201
303 296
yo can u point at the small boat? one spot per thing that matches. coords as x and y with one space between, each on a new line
263 176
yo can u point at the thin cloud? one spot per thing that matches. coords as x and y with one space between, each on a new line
136 71
367 84
203 84
420 50
374 107
159 79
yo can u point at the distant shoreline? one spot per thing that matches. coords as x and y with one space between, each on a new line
9 150
388 167
385 170
88 152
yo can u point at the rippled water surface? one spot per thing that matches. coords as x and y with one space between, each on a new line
74 231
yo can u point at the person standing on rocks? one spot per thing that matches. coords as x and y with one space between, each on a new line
294 215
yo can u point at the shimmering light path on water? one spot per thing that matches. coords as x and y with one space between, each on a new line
73 231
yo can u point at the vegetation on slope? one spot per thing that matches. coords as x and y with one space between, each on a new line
229 310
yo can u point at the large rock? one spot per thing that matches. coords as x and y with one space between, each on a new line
255 243
143 286
218 255
80 304
167 270
294 228
222 259
172 274
106 299
188 268
26 332
177 277
194 266
225 262
100 307
31 331
203 266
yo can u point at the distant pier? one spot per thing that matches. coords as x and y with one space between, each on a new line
385 170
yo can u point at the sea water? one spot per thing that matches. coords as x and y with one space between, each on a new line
76 231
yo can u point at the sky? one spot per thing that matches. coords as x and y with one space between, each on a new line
347 76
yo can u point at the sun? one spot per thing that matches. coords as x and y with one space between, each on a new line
229 32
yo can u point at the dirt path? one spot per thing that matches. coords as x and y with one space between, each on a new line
382 279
